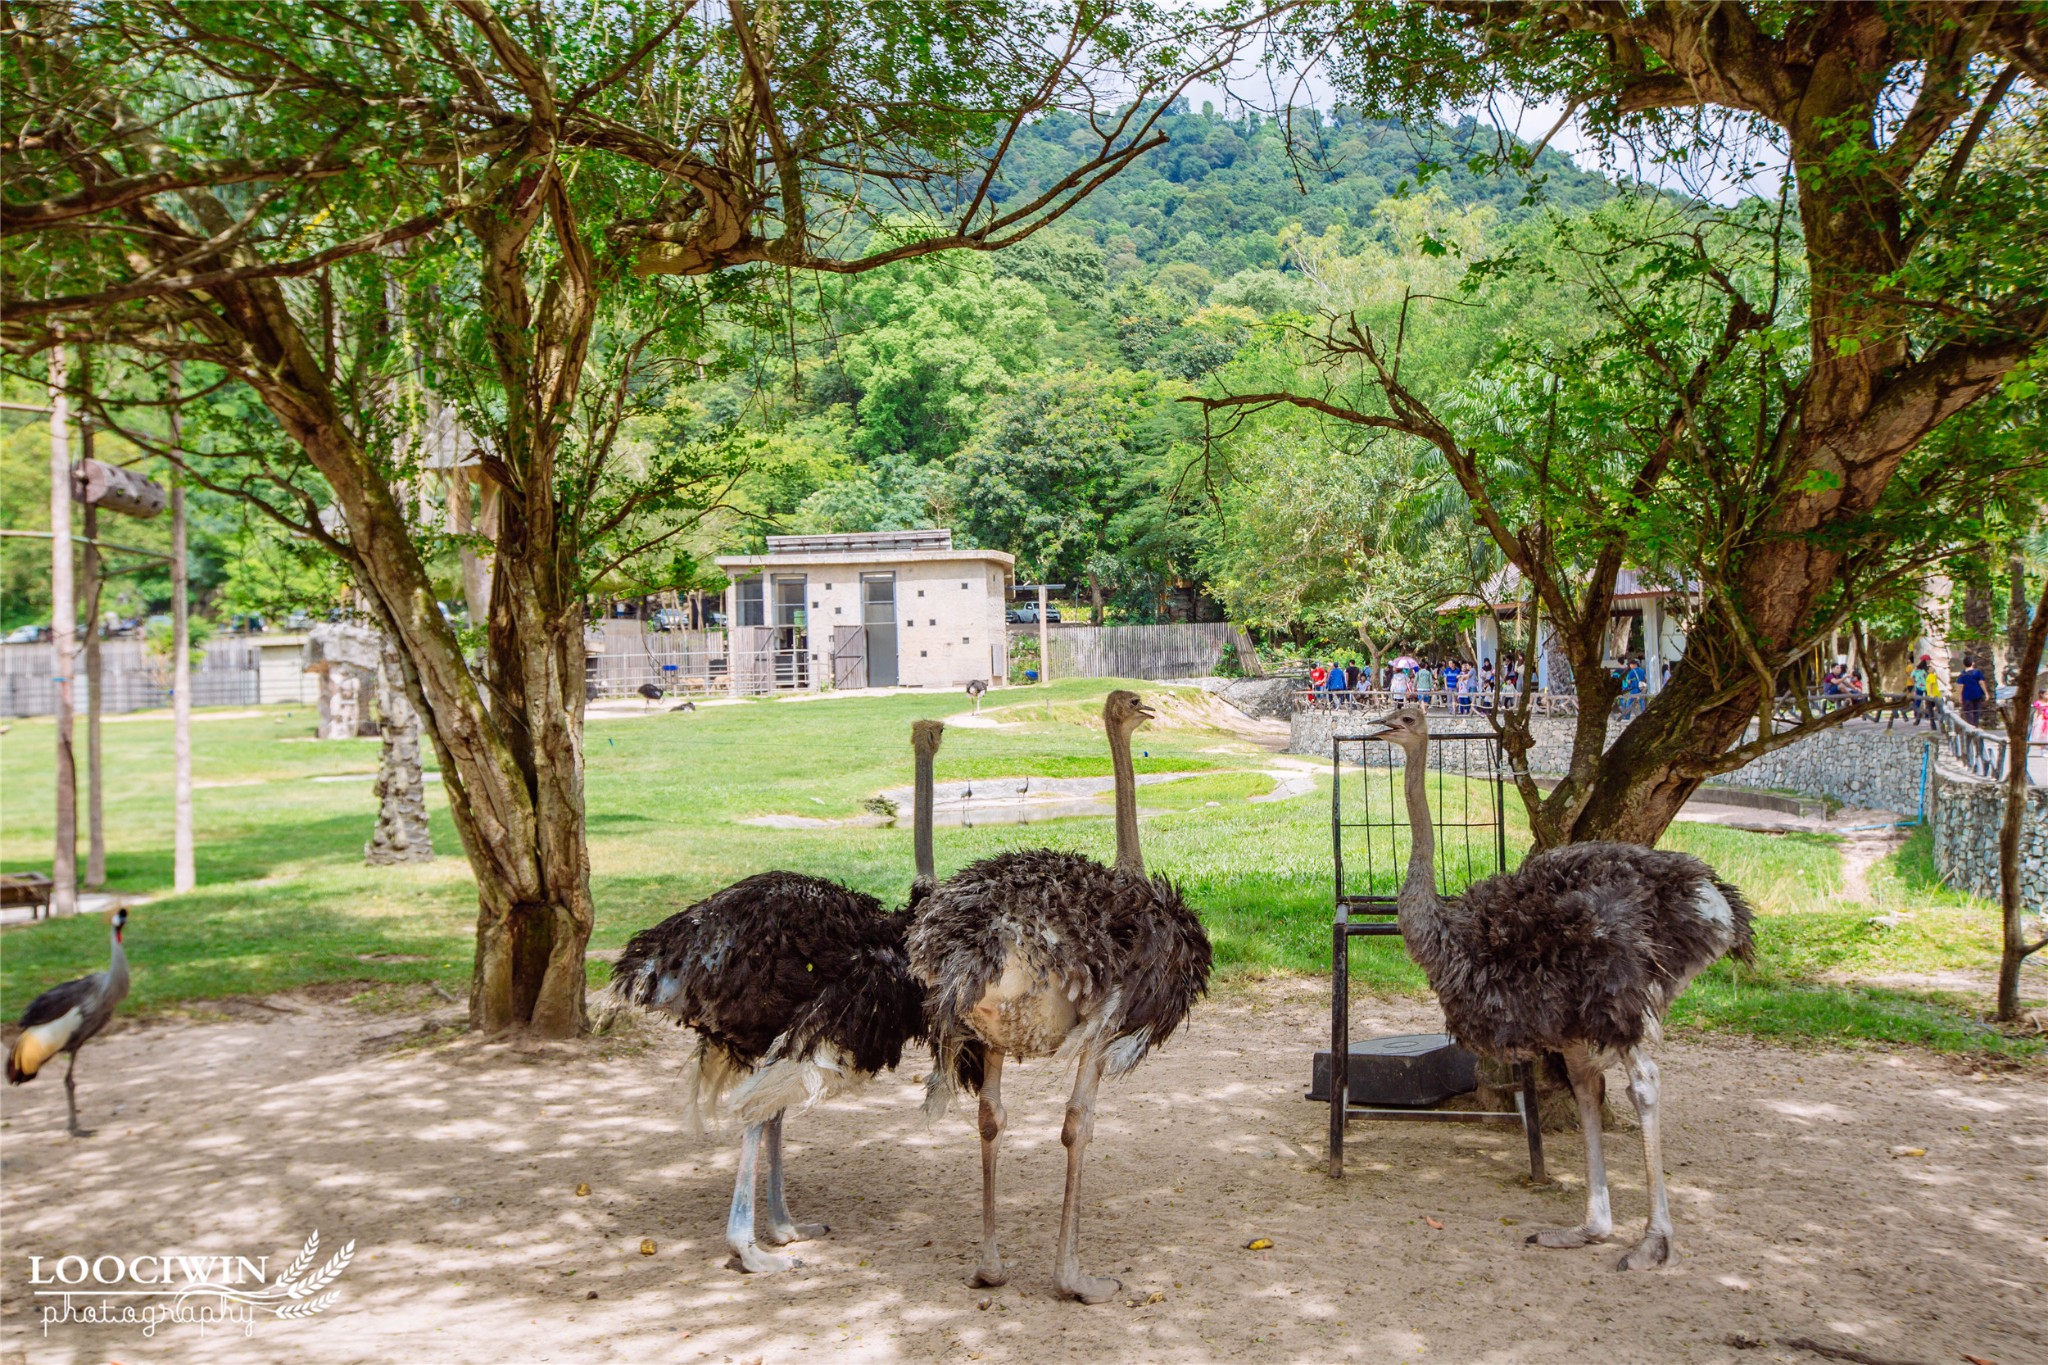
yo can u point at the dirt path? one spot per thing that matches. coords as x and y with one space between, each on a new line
454 1169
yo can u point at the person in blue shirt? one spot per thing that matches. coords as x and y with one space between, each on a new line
1970 690
1339 680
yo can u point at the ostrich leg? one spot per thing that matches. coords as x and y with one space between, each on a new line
1586 1078
1079 1127
782 1230
991 1271
1655 1248
71 1101
739 1223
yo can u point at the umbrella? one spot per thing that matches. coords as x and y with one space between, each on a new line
1407 661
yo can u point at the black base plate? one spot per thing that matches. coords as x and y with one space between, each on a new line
1406 1070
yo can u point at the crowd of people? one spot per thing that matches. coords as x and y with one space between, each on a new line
1455 685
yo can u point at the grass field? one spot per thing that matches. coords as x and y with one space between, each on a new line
286 901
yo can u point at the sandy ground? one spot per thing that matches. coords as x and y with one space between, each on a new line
454 1165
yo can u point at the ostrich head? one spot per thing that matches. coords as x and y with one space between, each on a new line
925 735
1407 727
1123 712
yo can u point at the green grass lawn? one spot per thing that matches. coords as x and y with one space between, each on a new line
285 899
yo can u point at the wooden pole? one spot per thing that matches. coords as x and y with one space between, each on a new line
63 627
1044 654
95 688
95 673
184 873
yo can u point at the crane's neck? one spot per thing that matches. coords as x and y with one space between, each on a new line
921 823
1417 899
1129 858
117 967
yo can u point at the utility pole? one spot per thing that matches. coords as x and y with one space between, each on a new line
63 624
184 874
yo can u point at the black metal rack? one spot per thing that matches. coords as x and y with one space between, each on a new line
1471 843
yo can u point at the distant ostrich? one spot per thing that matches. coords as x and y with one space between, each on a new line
1581 951
1036 953
797 988
650 692
976 690
62 1018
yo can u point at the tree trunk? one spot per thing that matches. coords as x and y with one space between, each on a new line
1978 628
2016 949
1094 600
95 698
2016 621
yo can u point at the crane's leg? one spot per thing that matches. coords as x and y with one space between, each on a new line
71 1101
1587 1082
990 1271
1655 1249
739 1224
1079 1127
782 1230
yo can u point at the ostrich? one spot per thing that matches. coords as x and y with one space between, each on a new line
1581 951
1037 953
796 987
649 692
975 690
62 1018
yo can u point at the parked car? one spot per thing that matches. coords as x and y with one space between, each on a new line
1027 614
28 635
299 620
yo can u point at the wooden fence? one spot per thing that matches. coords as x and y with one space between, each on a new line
1173 651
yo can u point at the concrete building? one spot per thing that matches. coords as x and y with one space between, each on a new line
879 609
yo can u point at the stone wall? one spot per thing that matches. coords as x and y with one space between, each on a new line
1966 814
1866 767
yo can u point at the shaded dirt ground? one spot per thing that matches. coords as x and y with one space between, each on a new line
454 1165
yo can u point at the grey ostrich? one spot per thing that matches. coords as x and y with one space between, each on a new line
797 988
64 1017
975 690
1580 951
1039 953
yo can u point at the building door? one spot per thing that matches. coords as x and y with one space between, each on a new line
792 634
878 614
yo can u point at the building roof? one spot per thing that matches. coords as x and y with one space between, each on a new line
1503 592
864 547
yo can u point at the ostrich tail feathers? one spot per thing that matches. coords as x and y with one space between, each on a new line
785 1082
1743 949
708 1074
938 1092
1126 1052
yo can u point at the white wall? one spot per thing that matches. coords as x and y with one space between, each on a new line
949 617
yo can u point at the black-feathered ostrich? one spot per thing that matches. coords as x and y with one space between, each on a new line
62 1018
977 689
1580 951
1040 953
797 988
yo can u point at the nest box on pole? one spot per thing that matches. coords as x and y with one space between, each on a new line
110 488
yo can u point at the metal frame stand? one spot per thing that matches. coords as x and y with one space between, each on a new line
1344 928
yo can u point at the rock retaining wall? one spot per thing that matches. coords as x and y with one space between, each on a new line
1966 812
1867 767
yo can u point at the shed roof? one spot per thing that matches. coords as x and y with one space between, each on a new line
867 547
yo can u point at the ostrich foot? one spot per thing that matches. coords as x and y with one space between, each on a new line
76 1131
1654 1250
991 1276
755 1261
1089 1288
782 1234
1581 1236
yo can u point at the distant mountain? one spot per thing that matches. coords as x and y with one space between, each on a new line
1221 189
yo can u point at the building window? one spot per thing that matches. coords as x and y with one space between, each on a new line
963 587
965 641
920 654
920 592
750 602
931 622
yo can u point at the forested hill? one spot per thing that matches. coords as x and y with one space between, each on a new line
1219 192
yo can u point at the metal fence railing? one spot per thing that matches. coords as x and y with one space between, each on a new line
1986 753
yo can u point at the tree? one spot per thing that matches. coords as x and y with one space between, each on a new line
1054 468
535 219
1891 284
2019 723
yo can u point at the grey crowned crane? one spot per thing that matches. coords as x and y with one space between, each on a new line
62 1018
796 988
1581 951
1041 953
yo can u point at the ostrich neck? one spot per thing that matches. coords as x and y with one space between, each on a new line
1128 856
1418 900
921 822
